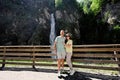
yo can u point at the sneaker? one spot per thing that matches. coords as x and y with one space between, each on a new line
72 72
62 71
59 74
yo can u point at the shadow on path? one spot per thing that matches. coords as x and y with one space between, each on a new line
89 76
77 75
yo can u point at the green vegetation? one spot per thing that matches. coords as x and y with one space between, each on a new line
106 15
117 27
96 6
116 33
58 3
94 22
91 6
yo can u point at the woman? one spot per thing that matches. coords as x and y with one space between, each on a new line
69 50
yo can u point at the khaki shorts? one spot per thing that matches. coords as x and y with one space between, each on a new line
61 55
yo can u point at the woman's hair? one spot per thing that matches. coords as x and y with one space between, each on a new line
68 34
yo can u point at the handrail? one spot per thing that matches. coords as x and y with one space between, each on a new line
97 53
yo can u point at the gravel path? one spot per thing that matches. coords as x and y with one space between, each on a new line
27 75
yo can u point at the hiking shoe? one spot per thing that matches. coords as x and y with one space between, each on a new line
62 71
59 74
72 72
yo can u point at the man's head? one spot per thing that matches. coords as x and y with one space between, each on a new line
62 33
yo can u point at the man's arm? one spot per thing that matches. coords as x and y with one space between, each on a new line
54 47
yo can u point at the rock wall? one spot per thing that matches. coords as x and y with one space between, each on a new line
24 22
67 18
27 22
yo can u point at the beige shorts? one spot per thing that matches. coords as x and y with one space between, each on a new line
61 55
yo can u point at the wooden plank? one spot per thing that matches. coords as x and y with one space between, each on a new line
41 64
18 63
30 46
2 50
91 61
48 46
17 58
42 50
45 59
27 59
29 50
94 55
28 54
15 50
96 49
117 55
97 67
97 45
44 54
17 54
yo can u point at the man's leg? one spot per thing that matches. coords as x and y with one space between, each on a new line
59 64
62 63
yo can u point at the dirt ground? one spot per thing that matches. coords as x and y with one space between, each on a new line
27 73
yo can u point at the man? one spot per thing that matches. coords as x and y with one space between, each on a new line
59 46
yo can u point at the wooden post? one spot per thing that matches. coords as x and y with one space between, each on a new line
33 58
3 63
116 59
115 53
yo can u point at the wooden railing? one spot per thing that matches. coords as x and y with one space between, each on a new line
84 56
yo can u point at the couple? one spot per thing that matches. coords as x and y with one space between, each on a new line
63 49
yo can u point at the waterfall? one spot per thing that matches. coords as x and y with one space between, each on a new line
52 32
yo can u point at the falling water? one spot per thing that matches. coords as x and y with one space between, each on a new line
52 32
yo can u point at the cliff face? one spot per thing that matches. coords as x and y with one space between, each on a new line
112 13
25 21
67 17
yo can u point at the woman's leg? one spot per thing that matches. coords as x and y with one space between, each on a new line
68 60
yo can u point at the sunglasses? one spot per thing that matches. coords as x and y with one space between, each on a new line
67 36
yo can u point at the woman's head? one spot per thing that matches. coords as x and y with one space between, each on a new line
68 36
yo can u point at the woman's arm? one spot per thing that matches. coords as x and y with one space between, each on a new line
69 44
